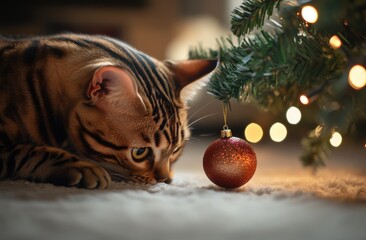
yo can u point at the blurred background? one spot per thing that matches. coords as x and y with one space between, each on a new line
167 29
164 29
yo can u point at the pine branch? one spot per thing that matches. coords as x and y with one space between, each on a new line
316 147
200 53
251 15
274 68
266 63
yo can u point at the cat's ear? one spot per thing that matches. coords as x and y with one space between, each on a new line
187 72
114 84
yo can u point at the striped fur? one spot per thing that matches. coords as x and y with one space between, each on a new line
74 108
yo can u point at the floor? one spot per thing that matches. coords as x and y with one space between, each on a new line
282 201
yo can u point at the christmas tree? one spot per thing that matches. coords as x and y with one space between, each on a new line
307 54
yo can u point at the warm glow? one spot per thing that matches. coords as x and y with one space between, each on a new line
318 130
253 133
357 77
335 42
293 115
336 139
304 99
309 14
278 132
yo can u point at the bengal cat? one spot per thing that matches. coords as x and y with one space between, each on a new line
82 110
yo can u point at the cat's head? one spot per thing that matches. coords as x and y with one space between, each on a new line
134 119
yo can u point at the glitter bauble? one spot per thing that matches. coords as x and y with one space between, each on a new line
229 162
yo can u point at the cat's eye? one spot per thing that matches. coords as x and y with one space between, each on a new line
139 154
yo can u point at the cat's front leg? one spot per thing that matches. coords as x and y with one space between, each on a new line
50 165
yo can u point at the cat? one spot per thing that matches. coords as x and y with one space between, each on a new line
83 110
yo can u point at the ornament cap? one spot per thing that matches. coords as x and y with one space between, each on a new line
226 133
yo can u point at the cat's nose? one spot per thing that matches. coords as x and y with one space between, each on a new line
161 177
162 171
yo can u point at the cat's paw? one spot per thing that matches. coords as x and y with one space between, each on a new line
81 174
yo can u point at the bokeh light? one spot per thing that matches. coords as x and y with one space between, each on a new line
335 42
336 139
304 99
293 115
309 14
357 77
253 132
278 132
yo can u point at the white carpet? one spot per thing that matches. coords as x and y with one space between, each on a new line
282 201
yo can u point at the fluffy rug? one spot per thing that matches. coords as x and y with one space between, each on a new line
282 201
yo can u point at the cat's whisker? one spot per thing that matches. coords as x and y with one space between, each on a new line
192 139
201 118
197 111
208 134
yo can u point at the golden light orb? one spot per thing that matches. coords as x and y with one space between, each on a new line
253 132
278 132
335 42
357 77
309 14
336 139
293 115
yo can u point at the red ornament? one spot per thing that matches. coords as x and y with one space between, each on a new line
229 162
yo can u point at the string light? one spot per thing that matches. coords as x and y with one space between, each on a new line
253 132
304 99
357 77
309 14
278 132
336 139
293 115
311 96
308 98
335 42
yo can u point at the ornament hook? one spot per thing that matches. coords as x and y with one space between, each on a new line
224 110
226 132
